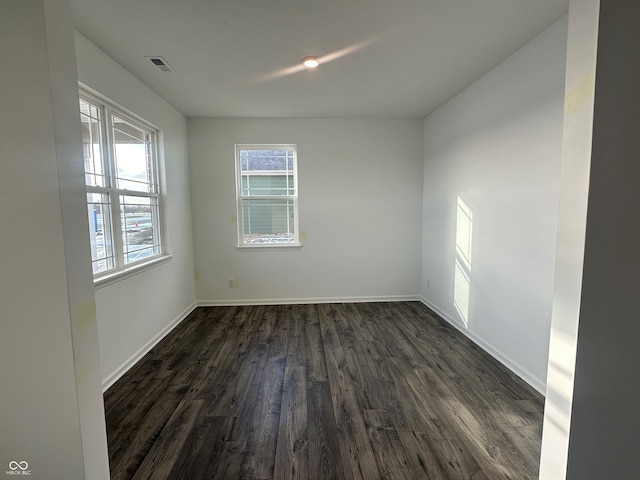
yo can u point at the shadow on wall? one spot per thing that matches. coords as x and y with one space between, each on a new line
462 267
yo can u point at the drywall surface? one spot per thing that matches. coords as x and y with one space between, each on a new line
135 310
491 179
605 418
51 411
582 41
360 193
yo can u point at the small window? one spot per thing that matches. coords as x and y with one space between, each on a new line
123 196
267 195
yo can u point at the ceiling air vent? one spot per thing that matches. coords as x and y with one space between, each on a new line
161 64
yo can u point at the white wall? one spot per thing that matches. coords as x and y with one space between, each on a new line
497 147
51 410
360 200
605 418
135 310
582 43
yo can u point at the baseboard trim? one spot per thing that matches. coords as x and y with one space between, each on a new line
534 382
133 359
289 301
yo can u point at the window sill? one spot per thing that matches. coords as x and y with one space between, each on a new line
288 246
113 277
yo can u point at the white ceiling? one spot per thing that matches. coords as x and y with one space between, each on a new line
385 58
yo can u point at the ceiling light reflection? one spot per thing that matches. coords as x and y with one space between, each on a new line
310 62
321 60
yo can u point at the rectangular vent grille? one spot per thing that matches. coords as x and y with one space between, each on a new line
161 64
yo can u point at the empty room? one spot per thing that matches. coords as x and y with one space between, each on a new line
267 240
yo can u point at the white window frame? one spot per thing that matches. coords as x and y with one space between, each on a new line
121 269
240 198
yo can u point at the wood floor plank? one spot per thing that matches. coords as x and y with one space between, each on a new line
326 391
259 456
292 451
325 461
131 408
296 351
226 464
339 376
208 454
390 454
132 443
497 457
161 458
468 410
368 382
356 452
205 437
243 402
316 361
433 458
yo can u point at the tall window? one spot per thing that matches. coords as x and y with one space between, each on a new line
267 190
122 187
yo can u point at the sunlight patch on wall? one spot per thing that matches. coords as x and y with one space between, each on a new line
462 270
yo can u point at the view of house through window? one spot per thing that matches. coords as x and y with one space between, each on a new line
122 187
267 195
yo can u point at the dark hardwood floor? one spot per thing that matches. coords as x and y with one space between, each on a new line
329 391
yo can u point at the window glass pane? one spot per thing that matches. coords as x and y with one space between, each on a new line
140 234
132 156
101 232
255 185
91 124
277 160
268 221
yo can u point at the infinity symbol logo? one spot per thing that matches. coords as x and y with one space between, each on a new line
13 465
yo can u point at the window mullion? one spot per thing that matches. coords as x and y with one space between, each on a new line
113 191
239 197
296 219
153 164
136 193
117 226
268 197
110 142
96 189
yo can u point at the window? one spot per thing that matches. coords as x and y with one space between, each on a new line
122 187
267 195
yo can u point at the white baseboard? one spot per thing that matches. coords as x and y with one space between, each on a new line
133 359
299 301
495 353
